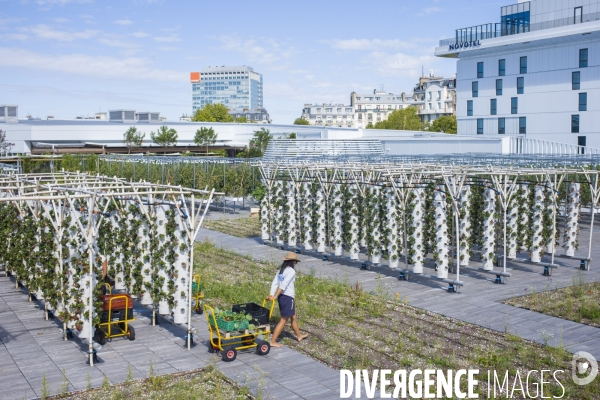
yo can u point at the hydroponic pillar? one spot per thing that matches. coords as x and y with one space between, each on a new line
392 228
337 220
354 225
418 204
321 221
159 261
489 229
307 206
265 215
278 200
512 227
375 221
465 225
291 214
441 236
537 224
524 211
572 219
182 261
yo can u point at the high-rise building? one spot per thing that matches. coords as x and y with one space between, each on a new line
237 88
535 74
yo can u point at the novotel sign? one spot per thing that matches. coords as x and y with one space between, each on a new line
465 45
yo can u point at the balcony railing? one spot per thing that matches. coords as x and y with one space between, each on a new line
489 31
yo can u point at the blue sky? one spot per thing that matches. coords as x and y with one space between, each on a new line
71 58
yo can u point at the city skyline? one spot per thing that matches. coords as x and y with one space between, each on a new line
75 57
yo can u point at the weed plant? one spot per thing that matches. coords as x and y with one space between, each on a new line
240 227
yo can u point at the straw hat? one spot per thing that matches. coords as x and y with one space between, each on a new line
291 257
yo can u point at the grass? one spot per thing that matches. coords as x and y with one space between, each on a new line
240 227
206 383
352 329
579 302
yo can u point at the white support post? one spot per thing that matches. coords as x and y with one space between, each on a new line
489 229
537 224
572 217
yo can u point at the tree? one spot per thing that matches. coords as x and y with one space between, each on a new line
258 144
301 121
205 137
212 113
406 119
164 137
241 119
5 146
133 138
445 124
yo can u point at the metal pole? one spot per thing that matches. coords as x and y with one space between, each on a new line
555 206
191 269
91 260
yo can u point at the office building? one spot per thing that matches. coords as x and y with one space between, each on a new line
235 87
535 74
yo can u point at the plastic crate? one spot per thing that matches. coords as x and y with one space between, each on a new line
260 315
117 304
195 288
229 326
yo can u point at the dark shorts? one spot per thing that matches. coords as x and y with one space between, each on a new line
287 308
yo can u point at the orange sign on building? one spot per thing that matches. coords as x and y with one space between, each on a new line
194 76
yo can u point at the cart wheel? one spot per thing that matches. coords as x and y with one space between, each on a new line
212 349
263 347
131 333
100 336
229 354
199 310
248 340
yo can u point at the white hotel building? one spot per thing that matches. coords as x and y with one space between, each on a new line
535 75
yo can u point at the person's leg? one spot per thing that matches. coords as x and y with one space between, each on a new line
296 329
277 331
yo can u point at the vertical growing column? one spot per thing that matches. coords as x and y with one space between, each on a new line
374 240
160 261
489 229
392 228
418 205
572 217
307 205
182 262
465 225
337 220
265 215
523 227
537 241
512 226
145 256
354 223
291 214
278 203
440 253
321 220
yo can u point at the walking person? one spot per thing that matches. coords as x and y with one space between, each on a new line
282 289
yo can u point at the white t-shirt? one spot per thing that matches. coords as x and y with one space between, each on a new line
285 281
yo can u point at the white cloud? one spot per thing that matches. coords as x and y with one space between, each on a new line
60 2
11 37
167 39
398 64
369 44
140 34
123 22
268 51
47 32
431 10
93 66
114 40
61 20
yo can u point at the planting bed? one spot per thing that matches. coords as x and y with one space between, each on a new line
205 383
353 329
579 302
240 227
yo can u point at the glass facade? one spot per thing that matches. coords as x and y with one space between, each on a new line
515 19
235 87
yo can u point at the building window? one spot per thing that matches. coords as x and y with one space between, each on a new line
581 142
582 101
480 126
583 58
502 67
514 105
574 123
475 89
469 108
358 98
576 80
578 15
520 85
501 126
523 125
479 70
498 87
493 104
523 68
